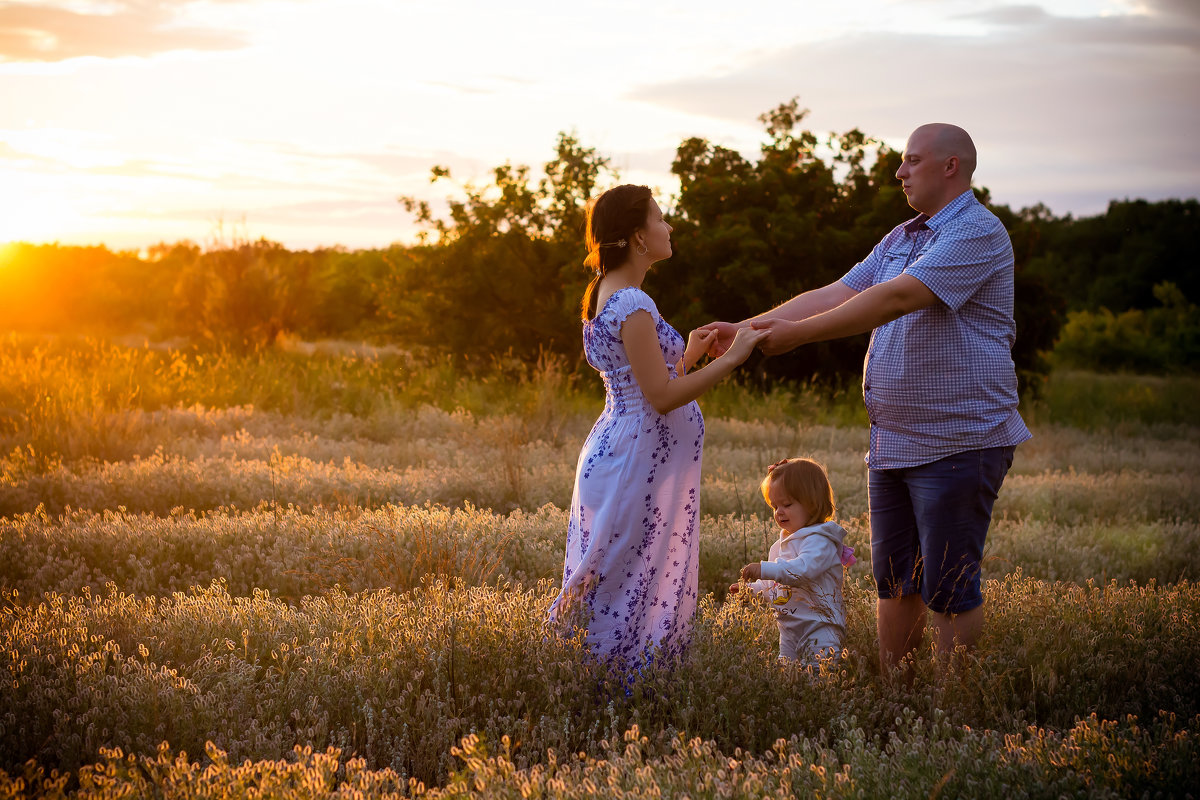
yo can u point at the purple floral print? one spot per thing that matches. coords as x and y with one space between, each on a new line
631 566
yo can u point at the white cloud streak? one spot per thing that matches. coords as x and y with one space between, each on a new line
56 32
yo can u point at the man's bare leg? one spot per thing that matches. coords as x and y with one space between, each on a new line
901 626
951 630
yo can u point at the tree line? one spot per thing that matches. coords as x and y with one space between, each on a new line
500 272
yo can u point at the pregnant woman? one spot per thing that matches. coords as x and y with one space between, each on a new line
630 572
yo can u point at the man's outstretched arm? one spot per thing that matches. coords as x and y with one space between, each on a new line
859 313
799 307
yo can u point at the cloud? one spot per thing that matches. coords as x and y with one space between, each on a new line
41 32
1167 26
1058 106
460 88
645 161
10 153
343 211
124 168
404 164
332 221
1180 9
479 85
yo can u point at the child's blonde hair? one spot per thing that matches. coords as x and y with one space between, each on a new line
805 482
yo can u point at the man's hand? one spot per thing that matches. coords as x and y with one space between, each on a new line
782 335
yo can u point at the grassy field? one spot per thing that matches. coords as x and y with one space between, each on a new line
306 574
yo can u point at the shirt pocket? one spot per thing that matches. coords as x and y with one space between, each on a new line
894 262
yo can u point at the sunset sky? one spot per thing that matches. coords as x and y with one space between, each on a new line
129 122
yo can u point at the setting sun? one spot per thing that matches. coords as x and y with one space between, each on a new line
28 213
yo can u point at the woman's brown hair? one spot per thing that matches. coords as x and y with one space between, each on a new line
612 219
805 482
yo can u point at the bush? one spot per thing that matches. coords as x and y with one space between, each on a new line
1158 340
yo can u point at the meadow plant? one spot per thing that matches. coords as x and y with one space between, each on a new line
292 553
284 551
398 679
1093 759
325 572
76 398
1094 401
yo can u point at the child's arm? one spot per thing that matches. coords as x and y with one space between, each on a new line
817 554
751 575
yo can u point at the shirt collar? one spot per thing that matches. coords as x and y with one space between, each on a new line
924 221
951 209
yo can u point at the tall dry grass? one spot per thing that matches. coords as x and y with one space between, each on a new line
241 555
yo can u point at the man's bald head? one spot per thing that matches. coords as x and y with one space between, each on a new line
945 141
936 166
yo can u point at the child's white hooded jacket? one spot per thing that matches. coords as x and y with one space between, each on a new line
803 576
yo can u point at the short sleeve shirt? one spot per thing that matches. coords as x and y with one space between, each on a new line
941 380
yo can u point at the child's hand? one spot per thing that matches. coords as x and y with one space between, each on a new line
734 588
752 572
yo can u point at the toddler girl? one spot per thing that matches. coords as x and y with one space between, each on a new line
802 577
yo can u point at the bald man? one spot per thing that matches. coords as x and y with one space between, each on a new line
939 385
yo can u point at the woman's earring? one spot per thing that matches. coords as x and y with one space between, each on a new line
642 249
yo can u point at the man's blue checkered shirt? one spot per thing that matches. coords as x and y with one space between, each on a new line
941 380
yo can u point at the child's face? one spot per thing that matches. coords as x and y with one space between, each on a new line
790 514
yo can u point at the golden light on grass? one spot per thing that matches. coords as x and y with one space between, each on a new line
280 540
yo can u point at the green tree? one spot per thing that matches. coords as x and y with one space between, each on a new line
1114 260
243 295
501 273
1038 309
753 234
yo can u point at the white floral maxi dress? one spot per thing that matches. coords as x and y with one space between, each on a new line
632 556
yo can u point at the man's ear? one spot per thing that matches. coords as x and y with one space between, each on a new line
951 166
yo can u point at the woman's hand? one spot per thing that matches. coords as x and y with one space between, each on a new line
725 331
698 343
743 344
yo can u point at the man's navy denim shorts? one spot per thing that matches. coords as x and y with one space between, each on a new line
928 525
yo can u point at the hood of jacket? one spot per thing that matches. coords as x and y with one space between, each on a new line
830 530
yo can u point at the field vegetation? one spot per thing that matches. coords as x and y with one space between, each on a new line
306 572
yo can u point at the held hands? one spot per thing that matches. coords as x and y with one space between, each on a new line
743 344
725 332
699 342
780 336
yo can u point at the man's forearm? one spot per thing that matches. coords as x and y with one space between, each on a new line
805 305
867 310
